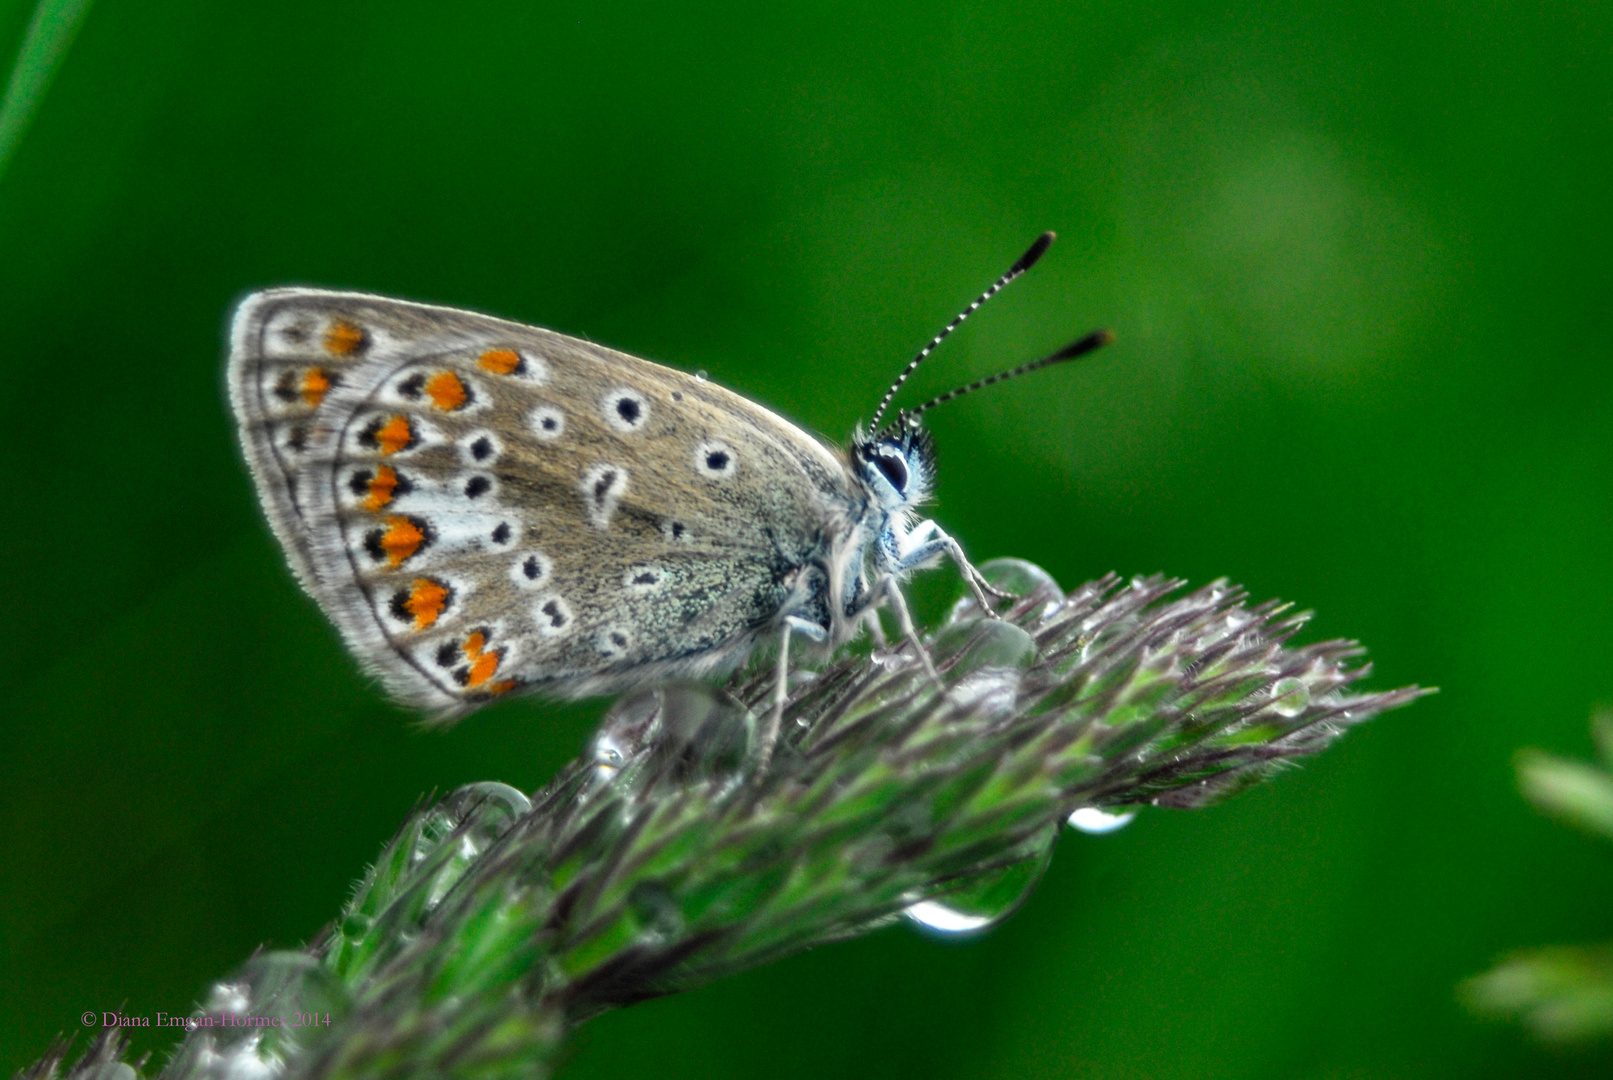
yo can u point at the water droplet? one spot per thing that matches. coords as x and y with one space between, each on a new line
700 375
490 808
473 817
499 802
229 998
705 733
978 647
629 727
987 898
1289 697
685 730
985 694
934 915
1089 819
1023 579
608 756
270 984
242 1060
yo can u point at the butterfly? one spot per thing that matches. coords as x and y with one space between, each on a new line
485 508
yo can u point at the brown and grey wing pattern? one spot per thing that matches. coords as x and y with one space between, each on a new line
482 506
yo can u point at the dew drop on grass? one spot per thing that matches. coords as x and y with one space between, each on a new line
934 915
1089 819
1289 697
986 898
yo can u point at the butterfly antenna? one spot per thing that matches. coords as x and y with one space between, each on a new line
1024 263
1093 341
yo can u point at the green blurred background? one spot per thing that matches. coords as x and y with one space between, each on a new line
1358 258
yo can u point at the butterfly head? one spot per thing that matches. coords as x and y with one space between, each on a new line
896 464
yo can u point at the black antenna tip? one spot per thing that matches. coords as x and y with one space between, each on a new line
1037 250
1081 346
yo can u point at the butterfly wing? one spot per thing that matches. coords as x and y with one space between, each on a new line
482 506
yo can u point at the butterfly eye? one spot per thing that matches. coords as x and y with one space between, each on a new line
894 470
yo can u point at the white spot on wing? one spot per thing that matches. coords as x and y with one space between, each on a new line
625 410
294 439
291 333
553 616
715 460
480 448
547 422
531 570
643 580
534 368
479 488
602 488
613 641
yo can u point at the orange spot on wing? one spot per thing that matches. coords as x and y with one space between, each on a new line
503 686
483 668
447 392
482 664
381 488
315 384
344 339
402 539
499 361
395 435
426 601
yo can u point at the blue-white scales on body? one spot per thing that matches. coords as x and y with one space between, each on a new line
484 507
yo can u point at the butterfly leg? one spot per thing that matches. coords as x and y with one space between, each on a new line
781 684
905 621
875 631
928 541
